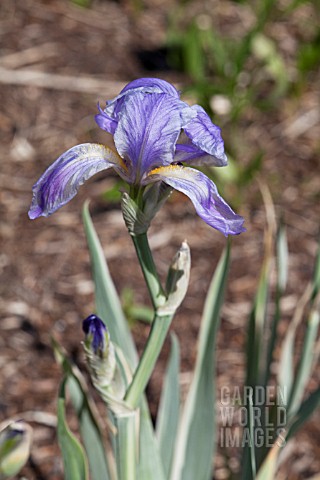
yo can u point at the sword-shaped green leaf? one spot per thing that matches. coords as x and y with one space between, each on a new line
268 469
305 411
74 458
168 413
306 362
282 274
88 421
197 429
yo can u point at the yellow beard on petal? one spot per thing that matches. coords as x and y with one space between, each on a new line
173 171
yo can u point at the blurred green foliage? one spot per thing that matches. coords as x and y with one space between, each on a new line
219 61
82 3
113 194
134 311
235 59
308 57
240 59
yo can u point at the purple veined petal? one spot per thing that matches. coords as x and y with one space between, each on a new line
61 181
148 128
187 152
205 135
105 122
141 85
192 155
204 195
151 85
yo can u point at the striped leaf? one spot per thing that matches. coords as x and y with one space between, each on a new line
87 416
197 429
168 413
74 458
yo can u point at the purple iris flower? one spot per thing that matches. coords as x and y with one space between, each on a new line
156 136
95 330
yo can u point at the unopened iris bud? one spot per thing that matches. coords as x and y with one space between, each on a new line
135 220
15 444
99 351
96 333
107 366
154 196
138 219
177 280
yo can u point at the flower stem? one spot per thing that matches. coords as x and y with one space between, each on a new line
160 325
149 270
159 329
126 451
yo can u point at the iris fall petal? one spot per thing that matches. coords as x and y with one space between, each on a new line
204 195
61 181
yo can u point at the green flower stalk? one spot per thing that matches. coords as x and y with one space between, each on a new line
177 284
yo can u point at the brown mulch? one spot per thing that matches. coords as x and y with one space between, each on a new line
46 285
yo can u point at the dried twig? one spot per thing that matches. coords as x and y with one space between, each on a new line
60 82
30 55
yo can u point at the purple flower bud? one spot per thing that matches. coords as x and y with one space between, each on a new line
15 444
95 331
101 359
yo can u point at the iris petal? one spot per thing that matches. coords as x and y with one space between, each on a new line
187 152
206 136
105 121
151 85
141 85
148 129
61 181
204 195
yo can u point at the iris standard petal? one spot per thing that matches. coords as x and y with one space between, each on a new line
206 136
142 85
148 128
61 181
204 195
187 152
151 85
105 121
